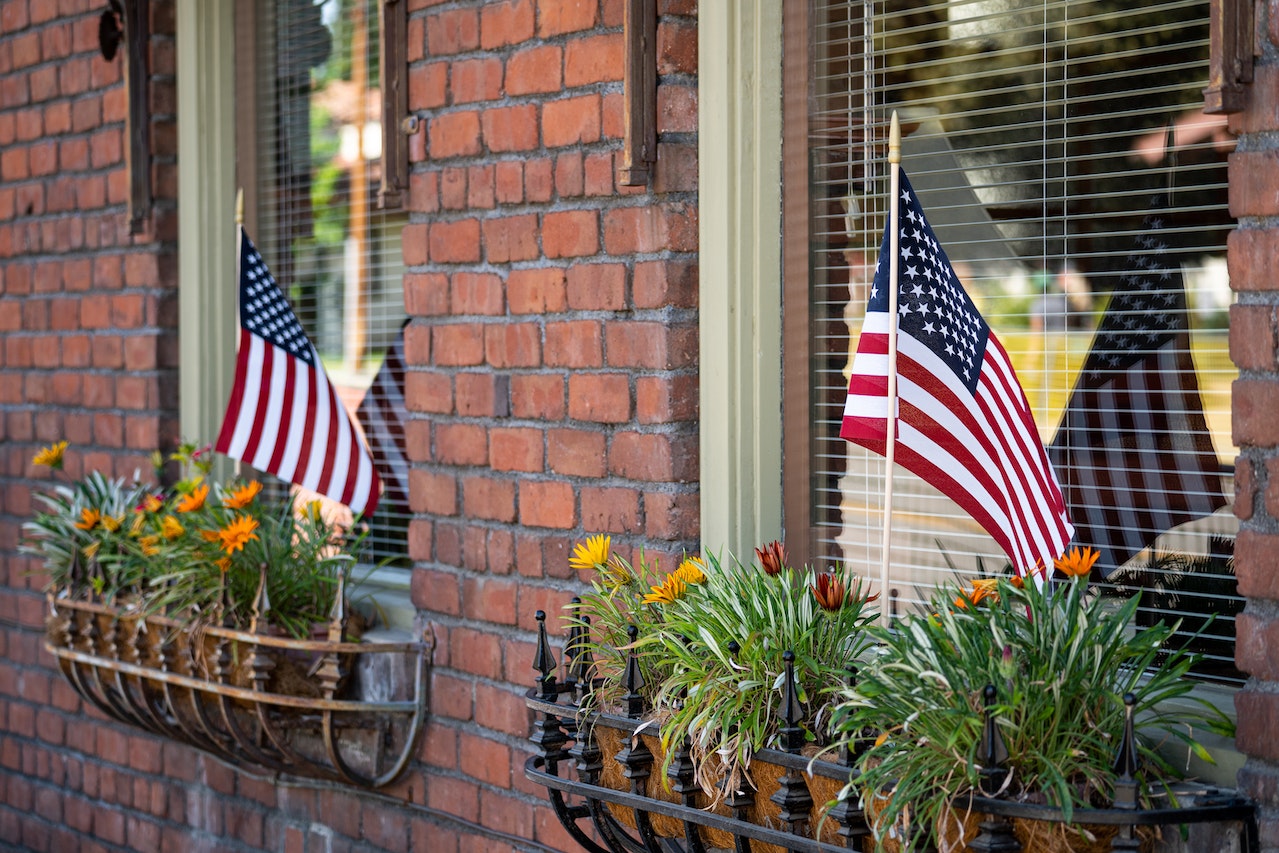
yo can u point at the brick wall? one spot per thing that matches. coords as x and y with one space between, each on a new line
553 343
1254 347
553 389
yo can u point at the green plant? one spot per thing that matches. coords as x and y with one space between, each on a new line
1060 658
710 642
196 550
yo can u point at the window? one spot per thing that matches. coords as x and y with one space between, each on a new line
1061 153
309 158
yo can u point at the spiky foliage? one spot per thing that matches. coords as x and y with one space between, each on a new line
1061 660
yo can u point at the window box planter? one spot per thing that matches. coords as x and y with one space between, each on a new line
252 698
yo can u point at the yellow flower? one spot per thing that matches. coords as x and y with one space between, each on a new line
151 503
139 521
313 511
193 501
89 518
671 588
243 496
692 570
1078 563
591 554
150 545
52 455
91 550
112 522
210 535
171 527
223 563
238 533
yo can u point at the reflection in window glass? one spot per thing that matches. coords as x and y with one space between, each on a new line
316 219
1060 150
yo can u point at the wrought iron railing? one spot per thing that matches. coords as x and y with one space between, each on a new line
604 816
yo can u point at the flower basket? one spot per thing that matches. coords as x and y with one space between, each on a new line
254 699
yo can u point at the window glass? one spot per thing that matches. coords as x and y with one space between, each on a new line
313 176
1061 153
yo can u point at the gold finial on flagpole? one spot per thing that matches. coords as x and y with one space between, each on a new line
895 140
239 206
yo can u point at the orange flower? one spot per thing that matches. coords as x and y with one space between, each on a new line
150 545
243 496
772 557
194 500
983 588
223 563
238 533
1078 563
171 527
829 590
89 518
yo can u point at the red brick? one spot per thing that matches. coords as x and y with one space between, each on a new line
506 23
452 697
676 47
489 600
431 492
594 59
458 345
652 345
536 291
461 444
453 31
511 128
454 134
654 457
1254 404
535 71
599 174
547 504
1258 720
665 283
596 287
539 397
476 80
481 395
488 498
477 293
610 510
576 452
513 345
515 449
538 183
428 392
1246 486
480 189
453 189
502 709
1257 564
570 233
672 516
603 398
676 168
613 126
1253 339
556 17
661 400
574 343
511 238
650 228
508 180
676 108
424 189
568 174
1272 485
476 652
436 591
426 294
455 242
571 121
414 243
1254 183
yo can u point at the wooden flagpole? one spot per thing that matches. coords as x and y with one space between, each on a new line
890 425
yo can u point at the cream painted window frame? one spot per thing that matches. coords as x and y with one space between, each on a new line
740 226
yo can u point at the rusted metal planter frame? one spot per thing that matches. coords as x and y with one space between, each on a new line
140 670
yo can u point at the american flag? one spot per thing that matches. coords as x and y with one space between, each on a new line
284 417
963 423
381 414
1133 447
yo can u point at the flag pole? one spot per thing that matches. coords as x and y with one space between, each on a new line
239 251
890 424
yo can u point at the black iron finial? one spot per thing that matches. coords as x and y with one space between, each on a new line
791 711
544 659
1127 761
583 661
633 678
992 750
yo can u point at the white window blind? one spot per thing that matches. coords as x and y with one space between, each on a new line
1060 151
315 150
